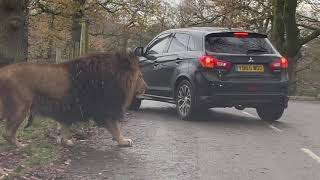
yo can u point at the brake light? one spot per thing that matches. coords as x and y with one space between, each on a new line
207 61
240 34
281 63
210 62
284 63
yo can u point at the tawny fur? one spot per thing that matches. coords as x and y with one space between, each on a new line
98 87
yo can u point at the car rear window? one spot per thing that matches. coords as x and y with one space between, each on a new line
236 45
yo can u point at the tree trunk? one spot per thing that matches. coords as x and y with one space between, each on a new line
278 30
76 27
285 36
292 42
13 31
293 63
84 41
50 43
76 19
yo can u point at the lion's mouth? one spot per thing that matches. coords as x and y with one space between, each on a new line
141 92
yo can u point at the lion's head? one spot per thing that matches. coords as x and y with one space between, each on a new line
139 84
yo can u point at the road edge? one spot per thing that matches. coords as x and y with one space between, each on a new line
304 98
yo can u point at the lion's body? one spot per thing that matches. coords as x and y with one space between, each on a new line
97 87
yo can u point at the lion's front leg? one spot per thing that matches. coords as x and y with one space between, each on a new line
114 129
64 135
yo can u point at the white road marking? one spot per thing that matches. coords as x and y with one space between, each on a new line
274 128
311 154
251 115
270 125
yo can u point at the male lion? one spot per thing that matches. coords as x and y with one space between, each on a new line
98 87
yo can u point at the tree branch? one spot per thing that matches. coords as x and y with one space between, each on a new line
308 27
46 9
206 21
310 37
310 19
107 8
106 35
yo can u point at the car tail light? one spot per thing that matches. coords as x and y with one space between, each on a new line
240 34
210 62
281 63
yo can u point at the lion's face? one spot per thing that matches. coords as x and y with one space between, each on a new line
140 86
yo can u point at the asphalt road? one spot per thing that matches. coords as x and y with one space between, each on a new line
223 144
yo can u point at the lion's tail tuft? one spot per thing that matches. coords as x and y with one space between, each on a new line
1 110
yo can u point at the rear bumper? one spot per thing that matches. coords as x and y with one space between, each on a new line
246 94
252 100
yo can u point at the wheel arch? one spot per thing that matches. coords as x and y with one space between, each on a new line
178 80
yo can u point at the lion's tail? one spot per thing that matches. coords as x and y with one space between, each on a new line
1 109
2 103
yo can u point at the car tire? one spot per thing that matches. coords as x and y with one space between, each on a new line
185 100
270 112
135 104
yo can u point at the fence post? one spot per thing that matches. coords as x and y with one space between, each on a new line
76 49
58 56
84 40
69 50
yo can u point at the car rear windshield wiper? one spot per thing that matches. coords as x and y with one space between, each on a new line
261 50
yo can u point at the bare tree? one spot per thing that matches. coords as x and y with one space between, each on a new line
287 36
13 31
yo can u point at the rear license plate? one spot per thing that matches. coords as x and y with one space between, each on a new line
250 68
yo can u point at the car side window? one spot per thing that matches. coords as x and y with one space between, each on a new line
159 44
191 44
179 43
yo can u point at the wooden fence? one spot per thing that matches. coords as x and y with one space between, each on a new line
76 49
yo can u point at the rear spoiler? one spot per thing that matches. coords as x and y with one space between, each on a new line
238 35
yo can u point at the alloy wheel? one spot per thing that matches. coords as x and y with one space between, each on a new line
184 99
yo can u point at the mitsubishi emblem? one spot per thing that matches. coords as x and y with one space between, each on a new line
251 60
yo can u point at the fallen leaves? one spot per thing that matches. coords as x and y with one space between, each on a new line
4 172
67 162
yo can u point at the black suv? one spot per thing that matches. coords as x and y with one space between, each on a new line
203 67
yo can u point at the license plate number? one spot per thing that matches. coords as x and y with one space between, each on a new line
250 68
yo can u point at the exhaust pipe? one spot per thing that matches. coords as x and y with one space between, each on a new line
240 107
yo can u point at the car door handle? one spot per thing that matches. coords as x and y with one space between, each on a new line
178 60
155 63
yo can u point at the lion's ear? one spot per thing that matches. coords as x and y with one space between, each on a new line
131 54
129 50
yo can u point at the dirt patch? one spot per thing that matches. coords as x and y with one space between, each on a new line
41 152
43 158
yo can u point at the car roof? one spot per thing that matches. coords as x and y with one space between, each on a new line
206 30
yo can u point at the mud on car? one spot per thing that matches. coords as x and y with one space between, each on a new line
203 67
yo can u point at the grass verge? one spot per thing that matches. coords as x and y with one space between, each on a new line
40 151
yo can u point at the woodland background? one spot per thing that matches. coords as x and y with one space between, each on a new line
33 29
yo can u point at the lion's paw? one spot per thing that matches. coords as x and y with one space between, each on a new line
126 143
69 142
20 145
59 139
